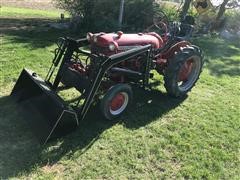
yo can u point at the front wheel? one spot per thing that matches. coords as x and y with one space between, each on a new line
183 71
115 101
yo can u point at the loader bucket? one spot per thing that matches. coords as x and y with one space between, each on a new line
47 113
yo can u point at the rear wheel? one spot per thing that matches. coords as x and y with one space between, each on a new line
116 101
183 71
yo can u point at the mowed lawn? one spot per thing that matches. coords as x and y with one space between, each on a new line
159 137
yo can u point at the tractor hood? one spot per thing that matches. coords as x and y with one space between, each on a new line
122 42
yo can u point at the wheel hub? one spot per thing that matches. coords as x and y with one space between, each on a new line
189 73
185 70
118 103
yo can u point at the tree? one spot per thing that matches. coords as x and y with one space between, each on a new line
185 8
227 4
222 10
217 22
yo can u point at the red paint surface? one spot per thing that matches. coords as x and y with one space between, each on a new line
185 70
117 102
130 39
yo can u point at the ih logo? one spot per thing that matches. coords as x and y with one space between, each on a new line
202 5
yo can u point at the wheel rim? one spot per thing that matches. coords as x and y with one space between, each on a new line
119 103
189 73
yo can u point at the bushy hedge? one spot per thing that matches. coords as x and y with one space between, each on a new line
102 15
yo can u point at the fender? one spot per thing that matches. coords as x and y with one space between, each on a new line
175 48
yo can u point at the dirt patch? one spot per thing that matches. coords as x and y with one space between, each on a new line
33 4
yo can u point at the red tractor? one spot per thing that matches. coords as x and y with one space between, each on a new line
107 65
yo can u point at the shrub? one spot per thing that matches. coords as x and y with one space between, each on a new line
102 15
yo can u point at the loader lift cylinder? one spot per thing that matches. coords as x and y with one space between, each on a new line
71 47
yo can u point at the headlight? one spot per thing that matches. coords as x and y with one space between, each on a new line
112 47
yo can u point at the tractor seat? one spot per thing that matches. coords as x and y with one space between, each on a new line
185 32
186 28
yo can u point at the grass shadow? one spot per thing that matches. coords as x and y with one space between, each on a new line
34 32
20 151
221 56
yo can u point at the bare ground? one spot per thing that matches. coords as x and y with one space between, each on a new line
33 4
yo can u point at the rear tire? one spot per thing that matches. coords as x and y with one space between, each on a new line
183 71
115 101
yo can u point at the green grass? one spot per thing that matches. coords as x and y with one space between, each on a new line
24 12
160 137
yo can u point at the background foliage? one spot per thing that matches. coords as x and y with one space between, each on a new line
102 15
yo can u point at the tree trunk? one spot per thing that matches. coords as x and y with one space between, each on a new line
185 9
222 9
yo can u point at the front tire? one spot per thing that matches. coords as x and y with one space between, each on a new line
115 101
183 71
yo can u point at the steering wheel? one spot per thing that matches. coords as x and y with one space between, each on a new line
160 16
160 24
158 27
